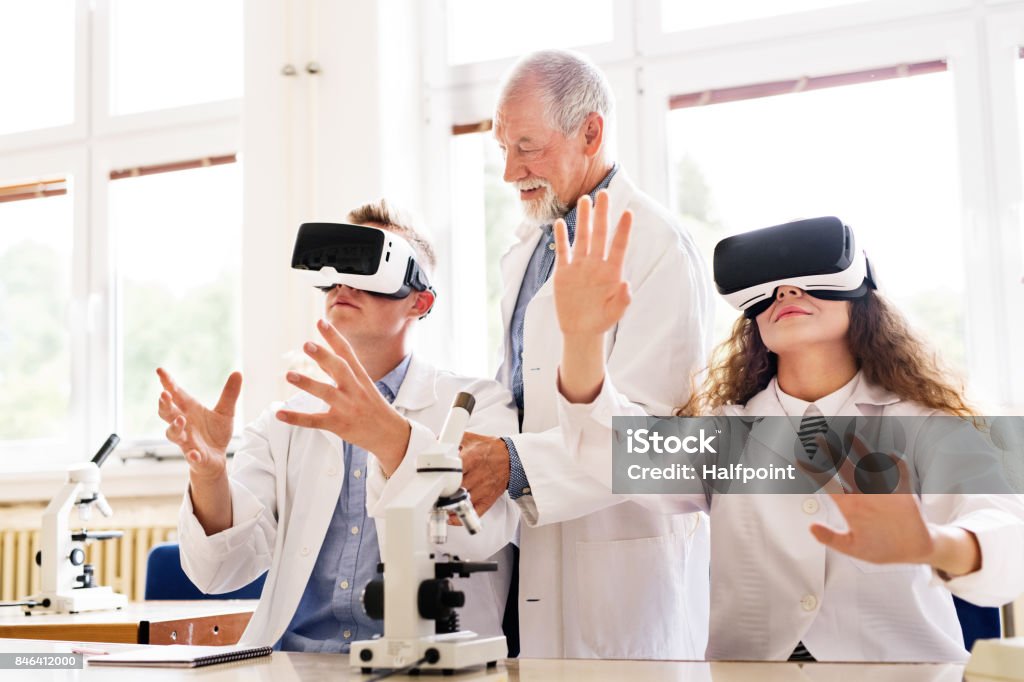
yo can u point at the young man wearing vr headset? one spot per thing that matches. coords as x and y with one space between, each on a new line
815 576
295 500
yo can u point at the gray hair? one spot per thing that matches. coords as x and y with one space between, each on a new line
571 87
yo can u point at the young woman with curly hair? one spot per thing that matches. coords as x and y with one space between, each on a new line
823 575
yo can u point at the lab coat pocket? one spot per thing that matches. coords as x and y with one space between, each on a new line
632 598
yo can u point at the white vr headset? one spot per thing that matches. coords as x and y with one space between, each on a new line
818 255
362 257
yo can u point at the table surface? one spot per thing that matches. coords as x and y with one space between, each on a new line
299 667
153 621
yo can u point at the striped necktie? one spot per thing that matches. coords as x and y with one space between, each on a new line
811 425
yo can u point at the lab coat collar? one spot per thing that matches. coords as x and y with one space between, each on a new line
870 399
867 398
418 391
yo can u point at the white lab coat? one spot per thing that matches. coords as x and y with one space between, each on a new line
601 577
774 585
285 482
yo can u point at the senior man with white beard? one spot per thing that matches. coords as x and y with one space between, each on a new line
600 576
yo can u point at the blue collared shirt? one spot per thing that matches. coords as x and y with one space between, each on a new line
330 615
538 271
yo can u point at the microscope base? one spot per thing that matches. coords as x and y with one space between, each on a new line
453 652
75 601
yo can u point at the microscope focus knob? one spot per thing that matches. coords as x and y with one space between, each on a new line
373 599
437 599
77 556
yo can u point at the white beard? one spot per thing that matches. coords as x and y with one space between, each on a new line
544 210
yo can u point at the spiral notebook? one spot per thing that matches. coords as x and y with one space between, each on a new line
180 656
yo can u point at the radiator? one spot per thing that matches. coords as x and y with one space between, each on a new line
119 563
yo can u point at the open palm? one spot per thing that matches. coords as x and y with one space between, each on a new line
202 434
590 292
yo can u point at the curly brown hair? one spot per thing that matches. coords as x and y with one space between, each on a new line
886 349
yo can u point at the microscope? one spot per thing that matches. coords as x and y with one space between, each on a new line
415 597
68 584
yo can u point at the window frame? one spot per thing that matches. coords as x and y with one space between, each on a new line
94 144
972 35
72 163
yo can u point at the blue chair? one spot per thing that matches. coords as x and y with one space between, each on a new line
977 622
166 580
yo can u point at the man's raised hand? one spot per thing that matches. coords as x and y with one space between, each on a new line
201 433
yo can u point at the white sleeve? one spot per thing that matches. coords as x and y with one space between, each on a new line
964 485
656 347
580 482
493 415
236 556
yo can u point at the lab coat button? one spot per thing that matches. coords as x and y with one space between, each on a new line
304 551
809 602
332 471
810 506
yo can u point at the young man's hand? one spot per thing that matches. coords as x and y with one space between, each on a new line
356 411
201 433
203 436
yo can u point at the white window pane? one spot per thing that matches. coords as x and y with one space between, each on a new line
490 29
178 239
37 51
171 54
678 15
481 197
881 156
35 344
1020 104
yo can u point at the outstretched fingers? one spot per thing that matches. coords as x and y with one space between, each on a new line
229 395
599 240
315 388
581 247
340 345
309 421
563 251
178 394
620 242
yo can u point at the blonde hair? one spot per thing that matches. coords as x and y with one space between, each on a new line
886 349
383 212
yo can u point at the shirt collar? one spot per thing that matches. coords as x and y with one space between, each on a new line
389 384
829 405
570 217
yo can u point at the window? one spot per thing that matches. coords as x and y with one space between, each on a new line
880 155
1020 103
483 198
37 42
179 271
109 267
677 15
479 30
35 293
171 54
